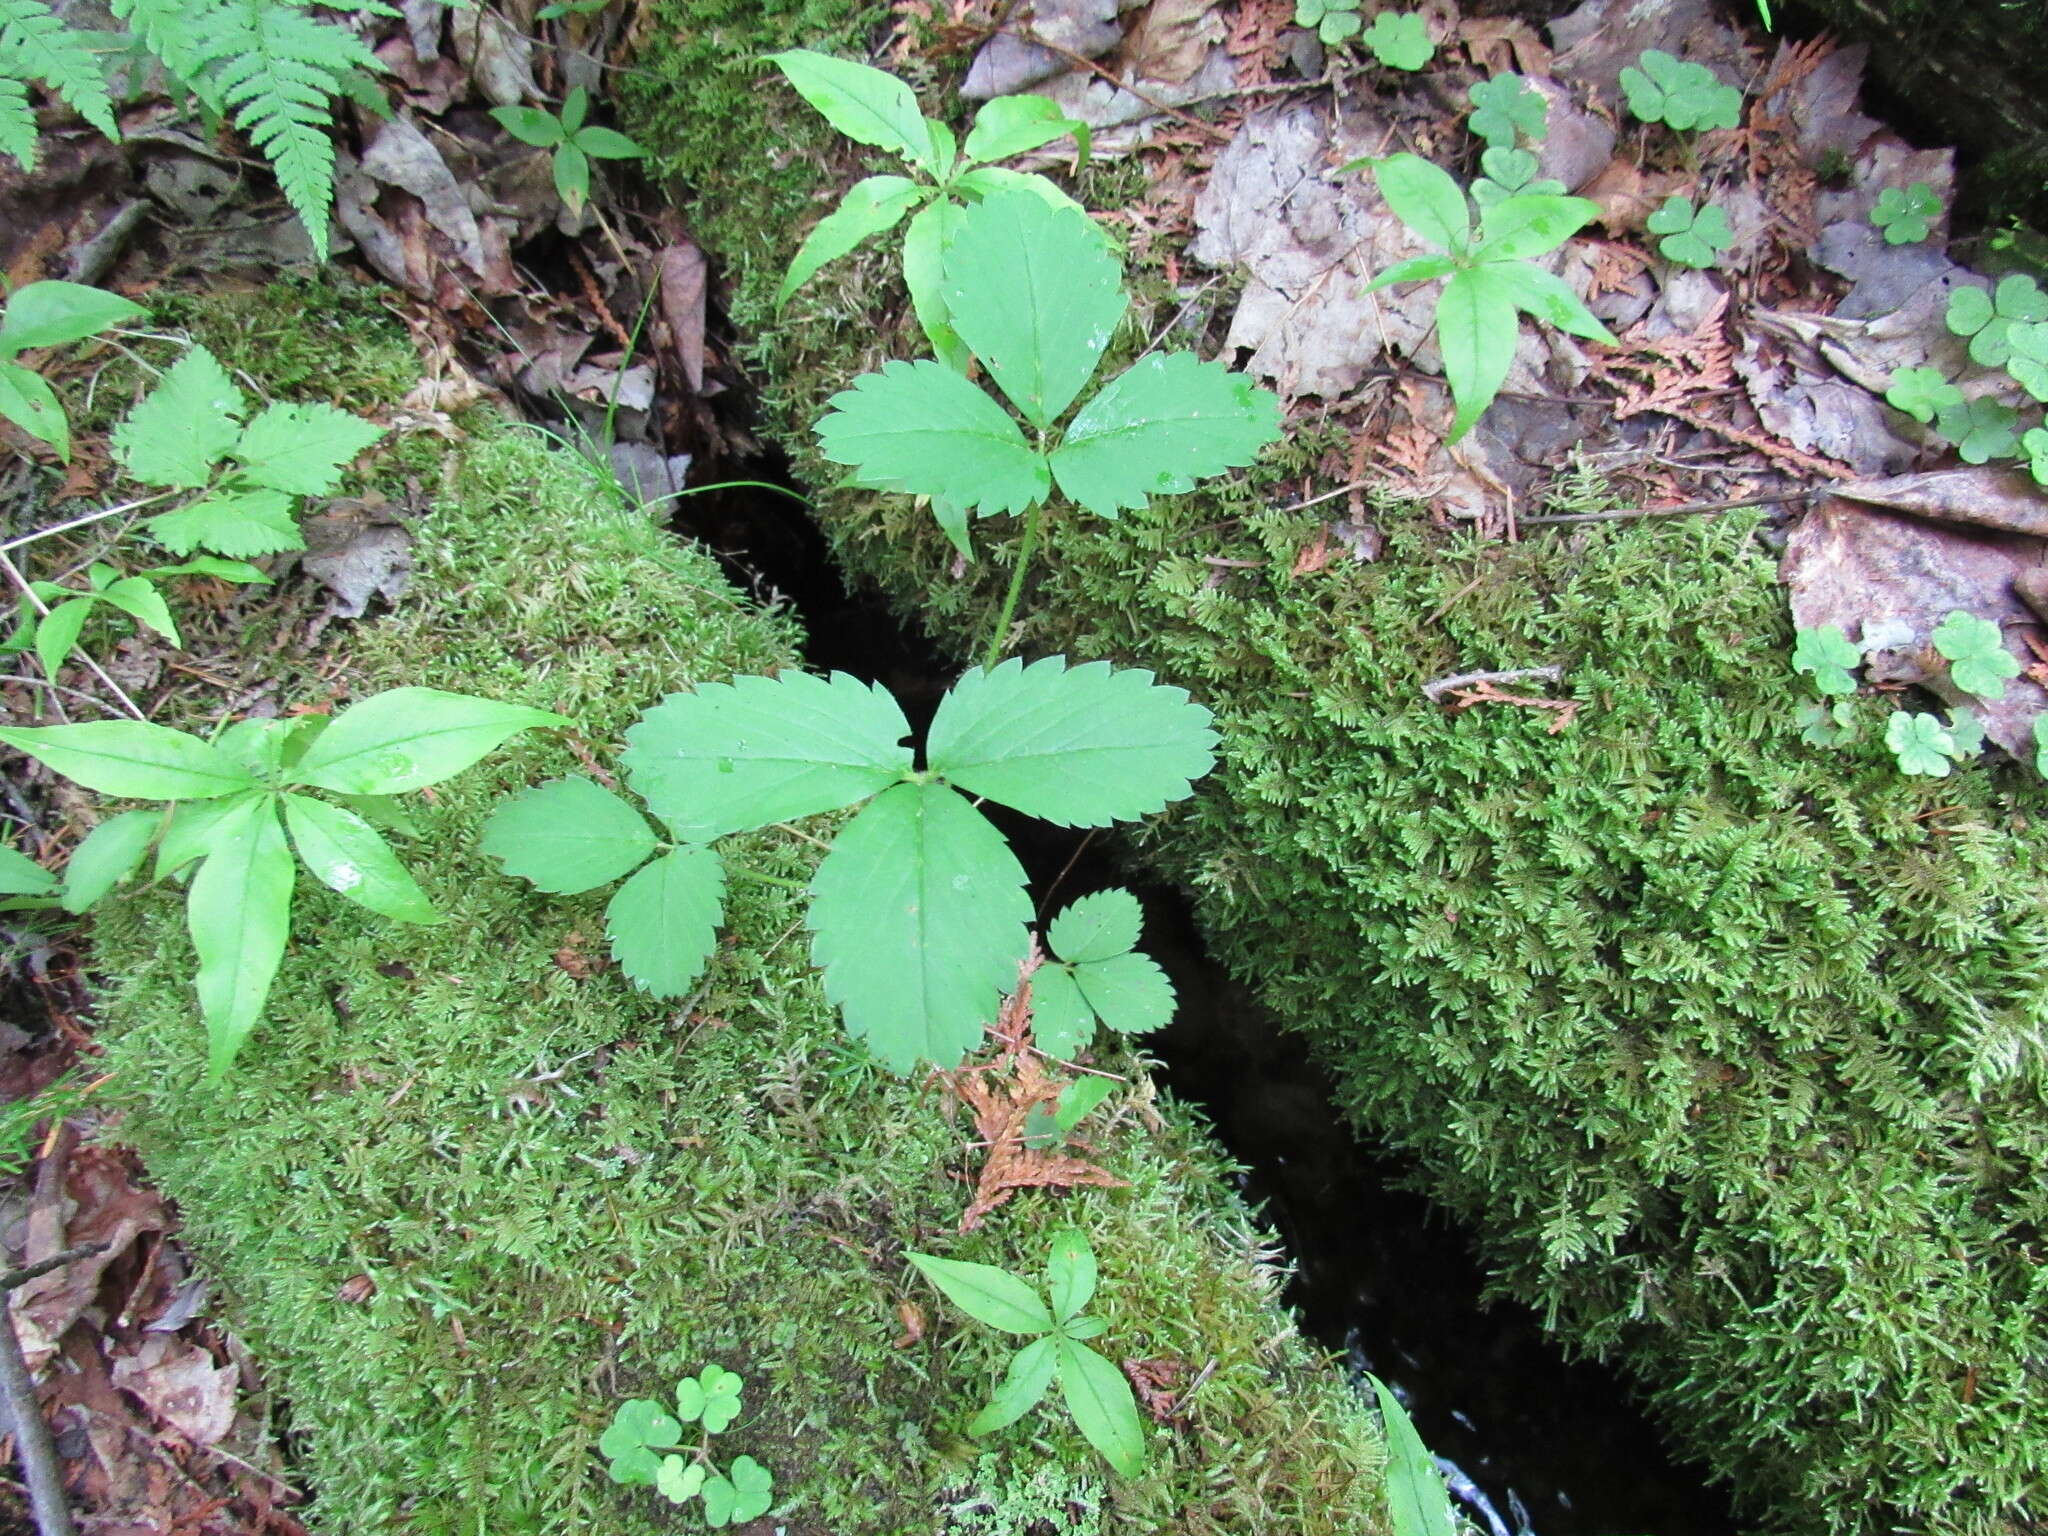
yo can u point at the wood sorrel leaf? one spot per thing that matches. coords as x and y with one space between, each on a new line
408 738
1100 1400
758 750
870 207
867 105
663 922
917 919
922 428
1024 1387
240 913
1083 747
987 1294
568 835
1164 423
133 759
1097 926
346 854
1034 294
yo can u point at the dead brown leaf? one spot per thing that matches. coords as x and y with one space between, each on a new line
180 1384
681 273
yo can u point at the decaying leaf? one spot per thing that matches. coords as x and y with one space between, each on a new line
180 1384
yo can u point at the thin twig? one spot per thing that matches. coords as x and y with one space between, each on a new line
43 610
1435 691
39 1466
80 522
1342 490
1684 509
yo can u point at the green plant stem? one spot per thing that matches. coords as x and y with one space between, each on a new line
1034 522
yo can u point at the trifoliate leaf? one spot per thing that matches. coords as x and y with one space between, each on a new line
1024 1385
917 916
870 207
1966 731
240 521
1399 40
1921 743
1692 236
568 835
1988 318
1978 661
1062 1023
1099 925
1825 725
1826 655
638 1425
1082 746
731 756
1506 108
1982 429
1679 94
987 1294
1160 426
744 1493
922 428
1907 216
1035 296
679 1481
1922 393
663 922
185 426
346 854
301 447
1129 993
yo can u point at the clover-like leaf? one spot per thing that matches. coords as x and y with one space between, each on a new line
1678 93
742 1494
663 922
1097 926
1082 746
712 1397
917 919
987 1294
727 757
1907 216
2028 363
1966 731
1982 429
1507 108
1978 661
640 1428
1988 318
1922 393
1921 743
1158 427
922 428
1826 654
679 1481
1399 40
1825 725
1692 237
2036 445
185 426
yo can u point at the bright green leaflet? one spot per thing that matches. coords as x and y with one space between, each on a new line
1096 977
987 1294
49 314
2041 745
663 921
1922 393
1982 429
573 144
1399 40
1156 429
1023 1388
346 855
1679 94
1062 1023
1506 109
1826 725
1334 22
712 1398
2036 444
408 738
1129 993
133 760
1070 1273
1921 743
185 426
741 1495
1978 661
1100 1400
1988 318
239 911
1827 655
922 428
1507 172
1908 216
1417 1500
21 875
110 853
1096 927
1966 731
1691 237
568 835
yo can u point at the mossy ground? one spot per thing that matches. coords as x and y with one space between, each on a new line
1729 1049
459 1199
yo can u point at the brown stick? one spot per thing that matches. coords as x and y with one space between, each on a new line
39 1467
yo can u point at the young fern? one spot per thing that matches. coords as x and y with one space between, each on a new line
36 46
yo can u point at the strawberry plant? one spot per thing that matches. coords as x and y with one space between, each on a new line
1490 280
234 799
49 314
918 910
645 1447
1096 1392
572 143
874 108
1096 976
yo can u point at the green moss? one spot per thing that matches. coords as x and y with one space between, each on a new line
1729 1051
460 1197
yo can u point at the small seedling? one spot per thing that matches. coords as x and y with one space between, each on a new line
1921 743
1400 40
1966 731
1826 655
1692 237
1978 661
1982 429
54 634
1822 724
237 797
49 314
1507 172
1679 93
1335 22
1506 110
1906 217
1988 318
1418 1499
645 1447
874 108
1096 1392
1096 977
2036 445
1044 1127
1490 280
1922 393
574 142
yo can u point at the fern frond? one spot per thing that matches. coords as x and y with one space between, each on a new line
17 117
39 46
181 34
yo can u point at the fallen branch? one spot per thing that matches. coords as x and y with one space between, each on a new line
39 1468
1435 691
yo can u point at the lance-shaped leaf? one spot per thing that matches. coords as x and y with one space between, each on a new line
185 426
408 738
30 403
1426 199
1070 1272
21 875
1062 1023
346 854
664 921
925 238
758 750
1476 329
1013 125
922 428
986 1294
568 835
1421 1505
867 105
1517 228
917 917
1100 1400
1160 426
1097 926
189 835
1024 1387
111 852
133 759
1084 746
1034 294
1550 299
240 913
1129 993
58 631
869 208
48 314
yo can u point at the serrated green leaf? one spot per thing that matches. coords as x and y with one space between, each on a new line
302 448
210 565
21 875
1070 1273
1097 926
185 426
346 854
110 853
663 922
58 630
49 314
1014 125
235 520
1426 199
1062 1023
239 910
1024 1386
986 1294
867 105
1158 427
1419 1503
1476 330
922 428
133 759
1100 1400
30 403
925 238
568 835
727 757
917 919
870 207
1035 296
408 738
1082 746
1129 993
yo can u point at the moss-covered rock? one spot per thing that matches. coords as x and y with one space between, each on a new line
1729 1050
466 1189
